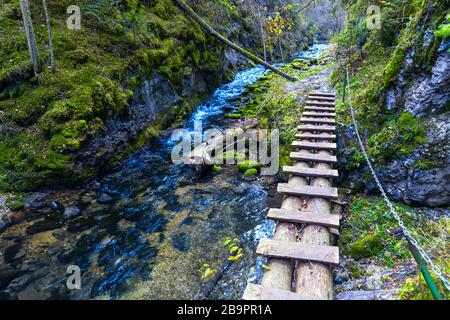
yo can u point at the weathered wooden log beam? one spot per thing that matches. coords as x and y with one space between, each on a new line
279 274
316 279
201 155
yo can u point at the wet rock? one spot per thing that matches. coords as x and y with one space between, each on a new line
104 199
55 205
30 293
341 277
95 185
71 212
54 250
95 209
11 252
375 280
7 274
188 221
20 254
429 93
181 241
59 235
87 198
366 295
429 186
2 225
80 224
241 188
20 282
43 225
35 204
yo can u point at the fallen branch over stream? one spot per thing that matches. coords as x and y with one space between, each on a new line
190 12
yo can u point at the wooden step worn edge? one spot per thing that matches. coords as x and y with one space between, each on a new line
315 136
313 157
325 94
258 292
318 108
304 217
308 191
311 172
317 120
323 128
298 251
314 145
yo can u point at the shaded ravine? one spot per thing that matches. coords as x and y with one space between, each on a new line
144 230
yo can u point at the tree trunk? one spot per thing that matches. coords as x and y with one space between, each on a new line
29 32
49 34
281 49
188 10
263 37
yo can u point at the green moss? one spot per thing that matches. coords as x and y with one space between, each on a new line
247 164
15 204
366 233
232 116
416 288
216 169
96 68
368 245
251 172
355 270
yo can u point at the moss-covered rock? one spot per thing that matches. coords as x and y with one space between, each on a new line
248 164
251 172
232 116
367 245
216 169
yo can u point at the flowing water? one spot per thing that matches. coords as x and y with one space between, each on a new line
144 230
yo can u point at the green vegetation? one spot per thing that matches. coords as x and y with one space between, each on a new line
234 252
444 29
47 121
251 172
248 164
274 104
376 58
369 232
232 116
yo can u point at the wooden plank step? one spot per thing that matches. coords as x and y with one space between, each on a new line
314 145
324 94
317 120
318 103
258 292
309 127
315 136
313 157
299 251
321 98
319 114
320 219
317 108
308 191
311 172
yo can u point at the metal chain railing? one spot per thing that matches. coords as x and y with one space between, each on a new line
406 232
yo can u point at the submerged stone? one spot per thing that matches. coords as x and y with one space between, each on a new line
55 205
104 198
71 212
181 241
43 225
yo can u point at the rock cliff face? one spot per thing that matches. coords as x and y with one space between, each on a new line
425 95
422 94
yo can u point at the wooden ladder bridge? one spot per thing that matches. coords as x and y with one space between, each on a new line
301 268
